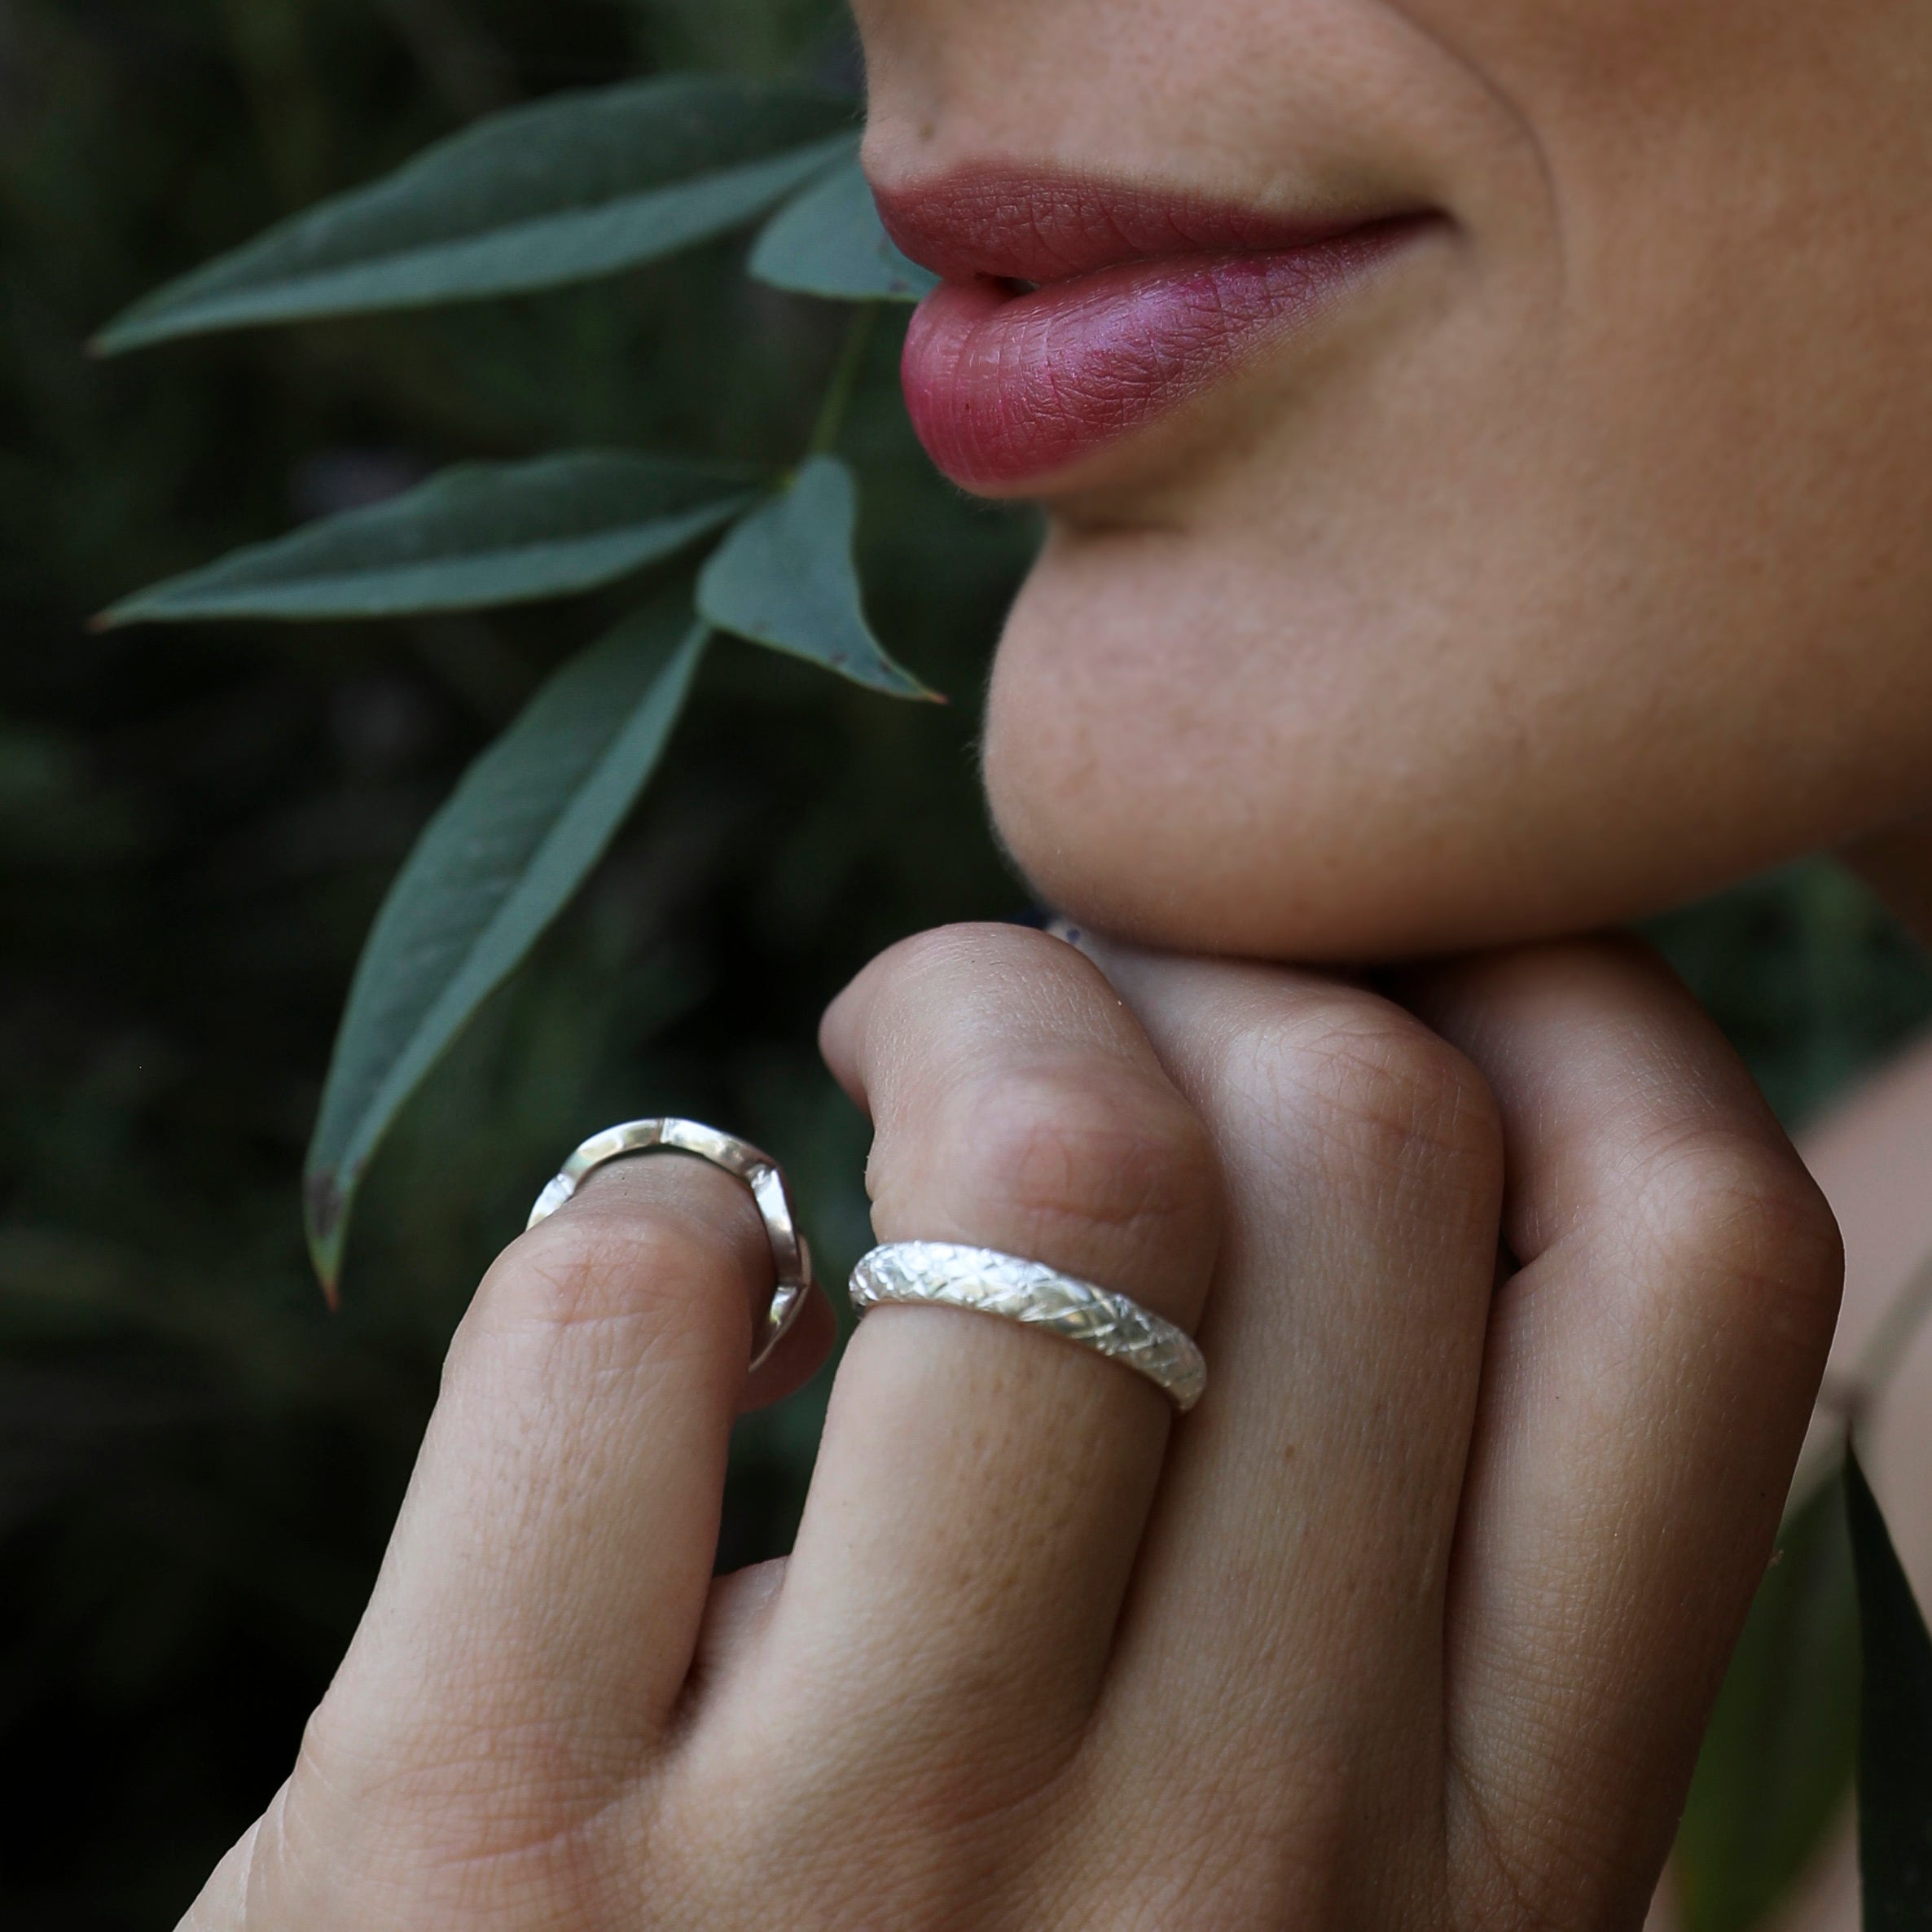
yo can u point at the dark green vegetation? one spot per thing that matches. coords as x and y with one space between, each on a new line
198 824
1894 1745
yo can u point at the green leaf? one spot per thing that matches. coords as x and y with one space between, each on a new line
576 185
1777 1760
481 534
829 241
495 866
784 576
1894 1745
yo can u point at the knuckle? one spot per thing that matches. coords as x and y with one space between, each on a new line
1104 1148
588 1269
1375 1085
1734 1209
968 954
1099 1148
971 995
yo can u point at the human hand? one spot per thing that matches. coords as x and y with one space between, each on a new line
1413 1623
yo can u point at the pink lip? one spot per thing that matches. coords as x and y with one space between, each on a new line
1140 302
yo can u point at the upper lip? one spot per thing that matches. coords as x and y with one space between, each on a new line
1036 228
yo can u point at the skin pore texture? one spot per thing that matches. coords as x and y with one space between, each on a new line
1573 568
1572 564
1558 560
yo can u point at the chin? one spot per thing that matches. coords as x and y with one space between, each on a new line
1300 777
1126 844
1125 838
1163 772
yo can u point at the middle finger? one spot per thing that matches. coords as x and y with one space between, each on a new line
981 1489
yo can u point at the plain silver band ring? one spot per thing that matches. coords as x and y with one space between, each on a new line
990 1283
759 1172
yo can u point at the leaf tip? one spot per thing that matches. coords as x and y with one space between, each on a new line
895 681
326 1203
114 338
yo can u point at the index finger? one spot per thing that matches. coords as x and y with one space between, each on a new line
541 1599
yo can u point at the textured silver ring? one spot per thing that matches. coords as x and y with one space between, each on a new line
759 1172
990 1283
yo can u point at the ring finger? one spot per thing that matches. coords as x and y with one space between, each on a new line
1280 1658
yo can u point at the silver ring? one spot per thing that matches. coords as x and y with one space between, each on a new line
759 1172
990 1283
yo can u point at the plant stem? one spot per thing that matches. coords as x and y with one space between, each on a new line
845 381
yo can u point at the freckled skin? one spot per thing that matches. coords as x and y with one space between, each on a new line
1574 562
1574 565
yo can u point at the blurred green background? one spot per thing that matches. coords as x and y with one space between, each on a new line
198 1465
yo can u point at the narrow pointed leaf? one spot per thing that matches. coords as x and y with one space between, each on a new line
1777 1759
478 535
785 577
829 241
575 186
496 865
1894 1745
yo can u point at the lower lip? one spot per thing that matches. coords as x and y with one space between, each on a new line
1005 388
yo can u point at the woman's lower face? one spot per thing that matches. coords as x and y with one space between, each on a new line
1489 446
